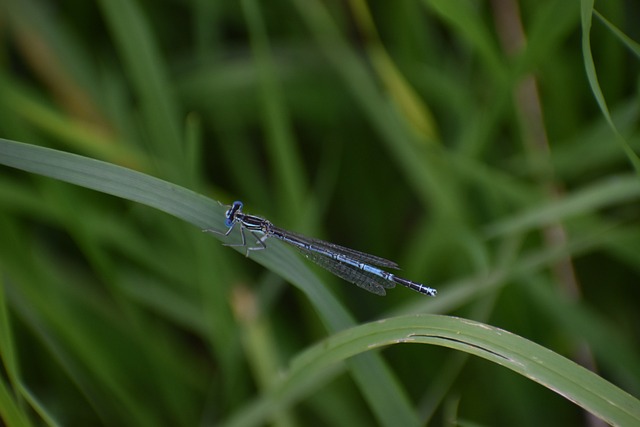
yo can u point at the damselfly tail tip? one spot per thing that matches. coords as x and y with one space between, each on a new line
418 287
430 291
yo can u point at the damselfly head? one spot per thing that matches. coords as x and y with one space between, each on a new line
231 213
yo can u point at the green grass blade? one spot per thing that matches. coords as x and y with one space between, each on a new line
590 67
528 359
149 76
112 179
11 410
631 44
587 200
285 158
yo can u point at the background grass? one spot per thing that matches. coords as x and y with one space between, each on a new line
494 164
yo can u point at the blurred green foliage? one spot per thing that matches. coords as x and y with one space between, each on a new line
488 147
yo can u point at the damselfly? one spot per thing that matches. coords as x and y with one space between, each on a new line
353 266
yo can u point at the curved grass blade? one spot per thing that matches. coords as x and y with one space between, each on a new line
522 356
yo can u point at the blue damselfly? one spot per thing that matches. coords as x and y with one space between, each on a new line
353 266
